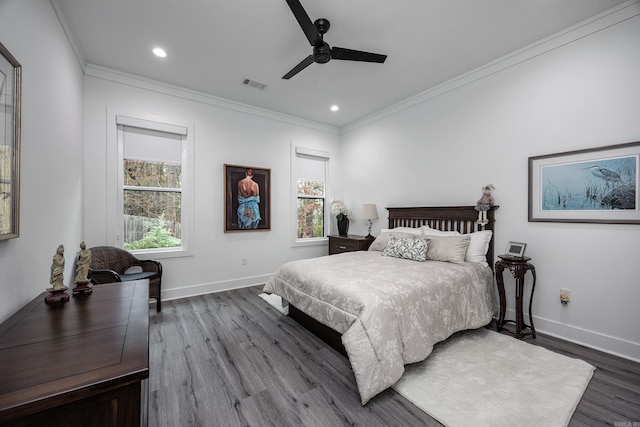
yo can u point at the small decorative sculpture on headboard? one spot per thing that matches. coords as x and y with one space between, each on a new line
484 204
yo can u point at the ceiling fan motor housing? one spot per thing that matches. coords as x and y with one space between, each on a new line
322 54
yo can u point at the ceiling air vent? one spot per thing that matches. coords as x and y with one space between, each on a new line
254 83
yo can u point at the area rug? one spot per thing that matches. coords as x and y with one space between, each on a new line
483 378
276 302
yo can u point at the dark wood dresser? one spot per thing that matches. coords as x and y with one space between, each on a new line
81 364
350 243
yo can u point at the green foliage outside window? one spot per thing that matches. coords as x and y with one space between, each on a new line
157 237
152 204
310 209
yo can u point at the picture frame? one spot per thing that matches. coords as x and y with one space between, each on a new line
597 185
10 108
247 194
515 249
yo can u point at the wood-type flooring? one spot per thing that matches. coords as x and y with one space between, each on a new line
229 359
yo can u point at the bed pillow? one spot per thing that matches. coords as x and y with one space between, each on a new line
410 230
414 249
478 247
428 231
448 248
382 239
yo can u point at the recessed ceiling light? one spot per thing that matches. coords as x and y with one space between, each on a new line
334 108
159 52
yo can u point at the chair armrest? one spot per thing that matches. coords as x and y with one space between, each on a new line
151 265
103 276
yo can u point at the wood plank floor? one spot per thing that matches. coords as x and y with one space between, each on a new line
229 359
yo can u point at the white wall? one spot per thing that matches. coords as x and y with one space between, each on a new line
577 90
225 132
51 167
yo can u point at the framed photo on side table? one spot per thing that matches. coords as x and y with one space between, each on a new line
10 100
515 249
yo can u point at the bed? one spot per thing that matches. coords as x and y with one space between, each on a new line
385 308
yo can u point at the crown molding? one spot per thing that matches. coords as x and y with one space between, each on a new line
116 76
99 72
562 38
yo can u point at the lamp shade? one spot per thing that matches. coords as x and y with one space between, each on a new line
369 211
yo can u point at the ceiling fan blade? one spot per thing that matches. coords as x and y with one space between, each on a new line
301 66
356 55
309 29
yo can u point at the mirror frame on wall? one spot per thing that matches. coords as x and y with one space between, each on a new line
10 100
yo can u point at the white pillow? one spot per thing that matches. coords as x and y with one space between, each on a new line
478 247
428 231
410 230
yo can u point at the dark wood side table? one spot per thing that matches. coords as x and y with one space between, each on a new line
80 364
350 243
518 266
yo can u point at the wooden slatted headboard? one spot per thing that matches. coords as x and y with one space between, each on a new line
446 218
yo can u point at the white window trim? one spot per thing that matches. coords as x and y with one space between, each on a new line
311 241
115 180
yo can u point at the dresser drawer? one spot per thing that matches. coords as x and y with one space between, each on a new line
340 244
336 247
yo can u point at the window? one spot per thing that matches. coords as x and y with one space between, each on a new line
153 189
310 175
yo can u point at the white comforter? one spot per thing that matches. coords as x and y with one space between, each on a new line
389 311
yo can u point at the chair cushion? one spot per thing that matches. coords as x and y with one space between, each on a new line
137 276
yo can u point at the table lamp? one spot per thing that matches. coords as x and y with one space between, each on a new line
369 212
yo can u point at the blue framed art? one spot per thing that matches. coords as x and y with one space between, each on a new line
593 185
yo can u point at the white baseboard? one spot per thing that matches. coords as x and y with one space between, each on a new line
596 340
208 288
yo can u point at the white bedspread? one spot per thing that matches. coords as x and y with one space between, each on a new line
389 311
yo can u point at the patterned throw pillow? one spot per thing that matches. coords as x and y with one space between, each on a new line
383 238
414 249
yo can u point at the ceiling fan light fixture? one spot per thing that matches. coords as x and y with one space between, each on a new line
159 52
322 54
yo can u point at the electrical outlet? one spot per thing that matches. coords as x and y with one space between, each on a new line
565 295
243 261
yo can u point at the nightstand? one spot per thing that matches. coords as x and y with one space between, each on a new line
350 243
518 266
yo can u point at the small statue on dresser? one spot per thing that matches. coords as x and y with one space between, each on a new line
83 261
57 292
484 204
57 269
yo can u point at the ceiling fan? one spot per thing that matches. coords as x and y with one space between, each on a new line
322 52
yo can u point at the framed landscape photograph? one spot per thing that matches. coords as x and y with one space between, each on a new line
10 98
597 185
247 198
